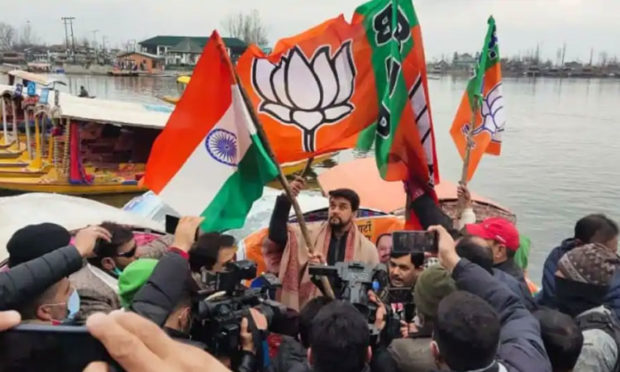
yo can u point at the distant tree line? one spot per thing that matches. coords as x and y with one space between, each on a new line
17 39
248 27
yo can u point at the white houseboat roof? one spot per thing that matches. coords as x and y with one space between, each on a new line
106 111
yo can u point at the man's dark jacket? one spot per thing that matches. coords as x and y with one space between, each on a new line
25 281
547 297
521 348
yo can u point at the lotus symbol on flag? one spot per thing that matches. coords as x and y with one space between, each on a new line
307 93
492 111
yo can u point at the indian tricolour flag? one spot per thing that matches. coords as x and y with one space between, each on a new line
208 161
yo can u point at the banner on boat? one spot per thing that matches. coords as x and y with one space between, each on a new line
208 160
483 95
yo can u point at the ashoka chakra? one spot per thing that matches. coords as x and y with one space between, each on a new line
222 146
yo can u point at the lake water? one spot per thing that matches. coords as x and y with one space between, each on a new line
560 159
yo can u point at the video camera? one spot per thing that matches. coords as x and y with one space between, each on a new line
225 302
351 282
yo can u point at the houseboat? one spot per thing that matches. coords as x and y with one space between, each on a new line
53 141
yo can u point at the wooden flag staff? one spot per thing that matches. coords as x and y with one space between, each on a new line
327 288
470 143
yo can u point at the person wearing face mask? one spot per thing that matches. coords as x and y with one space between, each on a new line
57 305
582 280
161 291
40 256
97 281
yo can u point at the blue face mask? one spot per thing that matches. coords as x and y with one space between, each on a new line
73 305
117 272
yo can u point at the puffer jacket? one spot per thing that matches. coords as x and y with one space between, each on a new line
165 288
517 287
25 281
291 357
521 348
546 296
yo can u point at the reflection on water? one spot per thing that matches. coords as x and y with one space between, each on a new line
559 159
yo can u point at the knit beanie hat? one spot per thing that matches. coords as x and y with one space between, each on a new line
432 286
33 241
133 277
591 264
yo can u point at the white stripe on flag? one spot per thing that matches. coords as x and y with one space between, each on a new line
202 175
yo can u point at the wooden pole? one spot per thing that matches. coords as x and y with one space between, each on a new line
329 292
470 143
307 168
4 125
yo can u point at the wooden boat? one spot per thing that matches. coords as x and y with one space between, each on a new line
65 144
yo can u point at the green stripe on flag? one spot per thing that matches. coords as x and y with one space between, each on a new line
488 58
388 28
233 201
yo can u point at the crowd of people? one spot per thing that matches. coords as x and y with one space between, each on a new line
465 307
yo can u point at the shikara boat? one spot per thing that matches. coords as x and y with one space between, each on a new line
182 82
56 142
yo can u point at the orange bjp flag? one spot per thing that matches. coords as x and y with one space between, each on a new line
483 96
315 92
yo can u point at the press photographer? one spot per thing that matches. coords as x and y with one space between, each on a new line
228 319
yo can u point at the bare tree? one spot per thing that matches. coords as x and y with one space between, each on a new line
248 27
8 36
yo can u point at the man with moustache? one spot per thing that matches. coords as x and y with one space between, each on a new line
334 240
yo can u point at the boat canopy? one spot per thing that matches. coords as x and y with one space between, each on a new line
68 211
102 111
114 112
39 79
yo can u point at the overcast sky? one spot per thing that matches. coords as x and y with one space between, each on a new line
447 25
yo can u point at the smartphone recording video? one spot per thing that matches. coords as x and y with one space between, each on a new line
35 347
405 242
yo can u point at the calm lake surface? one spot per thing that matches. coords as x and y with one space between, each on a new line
560 159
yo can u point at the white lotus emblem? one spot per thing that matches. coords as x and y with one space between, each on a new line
493 117
307 93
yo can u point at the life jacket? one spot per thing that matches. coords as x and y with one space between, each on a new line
605 321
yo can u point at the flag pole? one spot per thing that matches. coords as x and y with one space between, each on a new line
327 288
470 143
308 167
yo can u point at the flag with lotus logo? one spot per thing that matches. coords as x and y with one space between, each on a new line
315 91
318 91
483 96
208 161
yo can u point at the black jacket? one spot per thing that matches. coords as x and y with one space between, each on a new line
25 281
165 288
521 348
429 214
519 288
291 357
